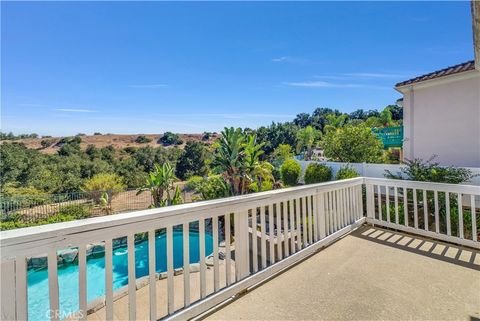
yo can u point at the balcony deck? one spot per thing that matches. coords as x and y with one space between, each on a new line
371 274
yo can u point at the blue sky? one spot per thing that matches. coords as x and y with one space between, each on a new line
150 67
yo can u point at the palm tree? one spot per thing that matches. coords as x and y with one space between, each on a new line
160 184
306 138
229 156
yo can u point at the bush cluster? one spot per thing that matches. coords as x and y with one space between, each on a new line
346 172
290 172
317 173
142 139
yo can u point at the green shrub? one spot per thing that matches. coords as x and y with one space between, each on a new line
213 187
142 139
70 212
429 171
317 173
46 143
66 213
111 183
194 183
346 172
290 172
170 138
266 186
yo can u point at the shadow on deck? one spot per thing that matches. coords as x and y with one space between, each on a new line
371 274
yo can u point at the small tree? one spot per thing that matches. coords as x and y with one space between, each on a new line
346 172
192 161
306 138
112 184
160 183
352 144
290 172
46 143
281 154
170 138
142 139
317 173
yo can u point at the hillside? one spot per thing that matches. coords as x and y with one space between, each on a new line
117 141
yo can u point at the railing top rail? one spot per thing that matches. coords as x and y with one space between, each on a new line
431 186
118 225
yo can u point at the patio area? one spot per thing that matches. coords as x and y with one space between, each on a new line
371 274
316 256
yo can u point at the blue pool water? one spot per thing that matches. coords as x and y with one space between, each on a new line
38 302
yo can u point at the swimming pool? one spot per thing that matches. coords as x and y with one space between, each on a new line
38 302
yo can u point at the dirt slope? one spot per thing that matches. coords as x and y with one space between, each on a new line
117 141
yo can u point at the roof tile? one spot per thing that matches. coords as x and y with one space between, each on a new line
466 66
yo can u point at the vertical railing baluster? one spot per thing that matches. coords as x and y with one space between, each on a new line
322 215
405 206
387 202
330 216
292 225
263 245
360 212
315 217
415 208
278 216
340 208
437 215
228 255
108 280
21 294
254 241
304 221
82 281
299 225
271 234
447 210
132 287
186 264
379 193
53 286
152 287
216 271
337 210
203 266
7 281
242 256
170 270
425 209
395 191
474 218
460 215
285 228
370 201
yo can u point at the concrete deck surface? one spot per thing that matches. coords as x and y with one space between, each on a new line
371 274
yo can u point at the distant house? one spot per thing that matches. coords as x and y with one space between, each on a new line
442 115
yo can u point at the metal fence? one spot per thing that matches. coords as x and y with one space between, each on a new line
32 208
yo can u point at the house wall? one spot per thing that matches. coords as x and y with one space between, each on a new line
442 117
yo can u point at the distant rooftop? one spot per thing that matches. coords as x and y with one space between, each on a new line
466 66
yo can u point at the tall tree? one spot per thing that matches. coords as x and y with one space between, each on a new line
192 161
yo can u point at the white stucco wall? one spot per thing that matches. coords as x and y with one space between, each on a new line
442 117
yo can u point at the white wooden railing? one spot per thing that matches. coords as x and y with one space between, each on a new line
263 234
445 212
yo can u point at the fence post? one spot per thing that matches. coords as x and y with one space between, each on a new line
321 214
241 245
7 294
369 200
